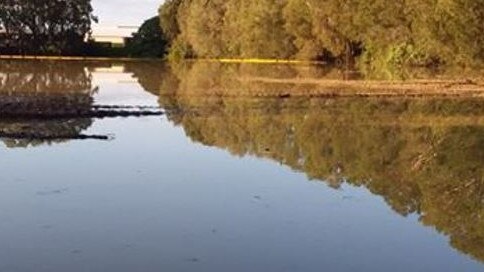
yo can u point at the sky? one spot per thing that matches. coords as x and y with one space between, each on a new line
124 12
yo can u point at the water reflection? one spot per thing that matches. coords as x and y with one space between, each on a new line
43 78
51 102
281 80
49 86
423 156
430 165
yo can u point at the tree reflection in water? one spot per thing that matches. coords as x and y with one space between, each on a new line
424 156
48 86
48 102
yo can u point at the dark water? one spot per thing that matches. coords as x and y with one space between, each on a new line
226 182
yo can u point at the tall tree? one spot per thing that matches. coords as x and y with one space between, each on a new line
202 25
38 26
261 30
149 41
450 31
300 20
168 13
400 32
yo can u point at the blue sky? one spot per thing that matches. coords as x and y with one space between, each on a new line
124 12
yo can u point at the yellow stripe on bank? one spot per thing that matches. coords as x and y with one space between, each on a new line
222 60
263 61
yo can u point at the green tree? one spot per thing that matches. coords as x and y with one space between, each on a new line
168 13
38 26
299 24
171 14
149 41
202 27
260 29
378 33
448 31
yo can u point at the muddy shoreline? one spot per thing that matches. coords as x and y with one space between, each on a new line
369 88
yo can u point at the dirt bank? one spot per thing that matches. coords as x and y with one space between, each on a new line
369 88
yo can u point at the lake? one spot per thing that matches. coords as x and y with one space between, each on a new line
143 166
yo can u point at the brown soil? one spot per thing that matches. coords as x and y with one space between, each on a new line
370 88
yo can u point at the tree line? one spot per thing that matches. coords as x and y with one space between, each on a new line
63 27
378 32
39 26
416 32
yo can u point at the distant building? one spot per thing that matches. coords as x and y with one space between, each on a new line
107 37
117 36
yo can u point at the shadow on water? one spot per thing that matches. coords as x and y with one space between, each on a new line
424 156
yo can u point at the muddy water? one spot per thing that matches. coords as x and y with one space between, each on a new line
214 181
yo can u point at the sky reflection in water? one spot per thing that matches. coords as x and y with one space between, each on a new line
226 183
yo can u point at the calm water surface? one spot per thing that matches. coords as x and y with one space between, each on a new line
226 182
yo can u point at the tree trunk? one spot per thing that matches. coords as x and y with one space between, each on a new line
349 56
